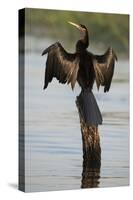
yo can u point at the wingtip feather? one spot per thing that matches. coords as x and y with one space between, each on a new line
44 87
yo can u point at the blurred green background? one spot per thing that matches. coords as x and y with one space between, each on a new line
104 29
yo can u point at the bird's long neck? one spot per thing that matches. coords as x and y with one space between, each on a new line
85 38
83 43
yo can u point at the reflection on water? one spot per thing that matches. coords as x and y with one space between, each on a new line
53 138
90 176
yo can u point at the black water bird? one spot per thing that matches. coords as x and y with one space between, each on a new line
83 67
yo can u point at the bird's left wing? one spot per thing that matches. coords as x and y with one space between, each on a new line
104 68
61 65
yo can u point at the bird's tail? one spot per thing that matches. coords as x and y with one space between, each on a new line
88 108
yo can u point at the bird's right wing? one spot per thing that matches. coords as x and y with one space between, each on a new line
104 68
61 65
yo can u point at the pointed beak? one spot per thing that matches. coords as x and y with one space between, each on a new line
76 25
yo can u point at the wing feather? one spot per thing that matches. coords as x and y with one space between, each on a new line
61 65
104 68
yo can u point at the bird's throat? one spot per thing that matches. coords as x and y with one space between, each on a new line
85 38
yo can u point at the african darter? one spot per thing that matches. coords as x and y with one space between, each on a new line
83 67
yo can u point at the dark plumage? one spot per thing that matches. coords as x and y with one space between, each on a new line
81 66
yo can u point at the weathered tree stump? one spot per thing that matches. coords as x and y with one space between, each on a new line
91 151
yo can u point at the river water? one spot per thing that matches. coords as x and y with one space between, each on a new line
53 144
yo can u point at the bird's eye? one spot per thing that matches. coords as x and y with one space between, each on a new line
82 26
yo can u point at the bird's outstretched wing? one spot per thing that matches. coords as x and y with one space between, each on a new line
61 65
104 68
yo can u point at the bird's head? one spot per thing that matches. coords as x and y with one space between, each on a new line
80 27
84 34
